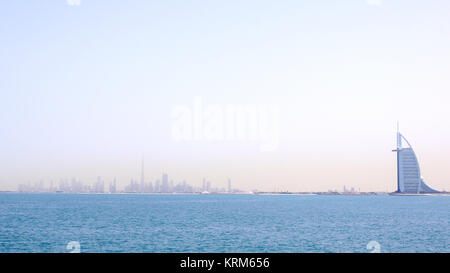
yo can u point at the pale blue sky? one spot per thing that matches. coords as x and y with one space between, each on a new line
87 90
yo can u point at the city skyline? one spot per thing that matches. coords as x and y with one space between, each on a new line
163 185
101 186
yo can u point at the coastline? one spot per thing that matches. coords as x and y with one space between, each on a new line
242 193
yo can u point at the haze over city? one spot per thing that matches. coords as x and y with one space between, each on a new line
88 90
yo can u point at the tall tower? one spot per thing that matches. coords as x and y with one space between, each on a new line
399 147
409 178
165 183
142 176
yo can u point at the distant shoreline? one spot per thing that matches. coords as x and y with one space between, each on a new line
243 193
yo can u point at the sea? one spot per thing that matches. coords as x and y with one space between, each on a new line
223 223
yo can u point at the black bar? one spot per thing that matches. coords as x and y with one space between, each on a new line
215 262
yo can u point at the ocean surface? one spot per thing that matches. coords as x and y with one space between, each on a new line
223 223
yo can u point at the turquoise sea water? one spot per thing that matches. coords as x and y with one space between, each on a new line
223 223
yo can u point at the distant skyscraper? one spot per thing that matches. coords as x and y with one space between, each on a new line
99 186
142 176
229 185
113 187
165 183
409 179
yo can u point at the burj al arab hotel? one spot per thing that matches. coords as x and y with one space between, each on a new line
409 179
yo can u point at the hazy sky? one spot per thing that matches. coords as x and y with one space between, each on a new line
87 90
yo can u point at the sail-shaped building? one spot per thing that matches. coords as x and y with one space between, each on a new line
409 179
